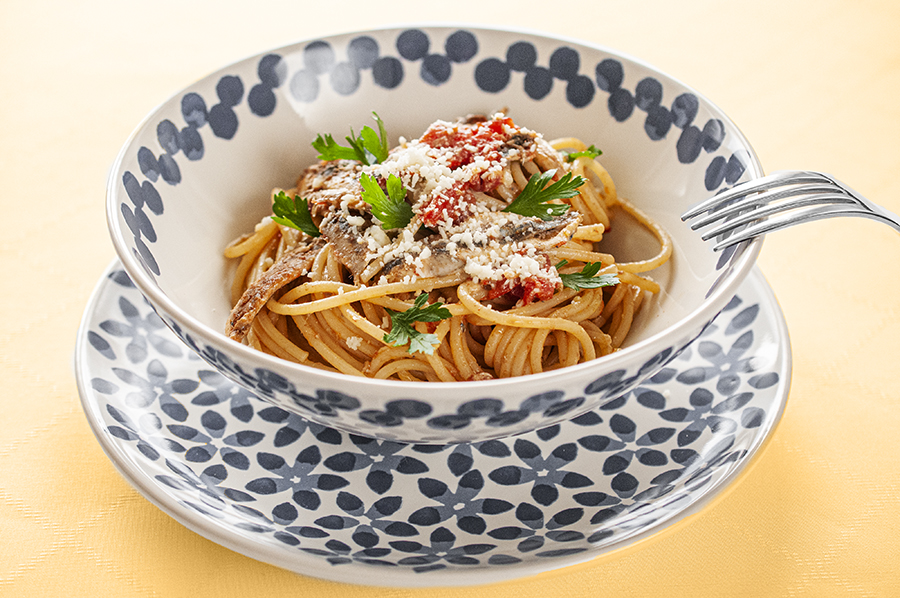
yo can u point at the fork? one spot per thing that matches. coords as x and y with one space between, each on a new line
779 200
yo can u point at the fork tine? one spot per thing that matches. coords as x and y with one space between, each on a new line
777 201
788 207
755 201
753 186
806 214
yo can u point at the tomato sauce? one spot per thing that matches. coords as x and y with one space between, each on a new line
529 290
465 144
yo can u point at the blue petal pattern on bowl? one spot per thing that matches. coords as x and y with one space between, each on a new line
237 111
481 418
492 74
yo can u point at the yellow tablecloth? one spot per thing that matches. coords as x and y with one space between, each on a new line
813 84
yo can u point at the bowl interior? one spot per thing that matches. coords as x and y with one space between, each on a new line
198 172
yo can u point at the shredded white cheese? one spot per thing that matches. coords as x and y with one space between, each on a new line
426 173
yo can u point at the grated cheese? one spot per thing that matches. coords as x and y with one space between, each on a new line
432 170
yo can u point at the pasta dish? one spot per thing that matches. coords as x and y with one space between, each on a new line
473 252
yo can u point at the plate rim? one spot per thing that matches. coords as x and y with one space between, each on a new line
245 546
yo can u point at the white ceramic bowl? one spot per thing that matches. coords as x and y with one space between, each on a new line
197 173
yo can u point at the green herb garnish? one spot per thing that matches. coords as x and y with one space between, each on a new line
369 148
294 213
402 330
391 209
587 278
591 152
532 201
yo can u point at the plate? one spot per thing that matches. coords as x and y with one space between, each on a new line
274 487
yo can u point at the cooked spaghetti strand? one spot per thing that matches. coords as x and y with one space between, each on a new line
494 273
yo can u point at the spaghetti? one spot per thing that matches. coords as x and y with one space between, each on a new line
498 282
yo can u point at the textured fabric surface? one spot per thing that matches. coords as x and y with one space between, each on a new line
812 85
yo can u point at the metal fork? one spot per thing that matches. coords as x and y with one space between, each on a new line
777 201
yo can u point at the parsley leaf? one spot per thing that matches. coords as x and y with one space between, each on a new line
369 148
403 332
532 201
391 209
587 278
591 152
294 213
421 343
329 149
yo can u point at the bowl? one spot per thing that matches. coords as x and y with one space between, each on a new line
196 173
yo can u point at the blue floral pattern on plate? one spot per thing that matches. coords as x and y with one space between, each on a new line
306 497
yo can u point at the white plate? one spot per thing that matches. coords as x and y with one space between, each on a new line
324 503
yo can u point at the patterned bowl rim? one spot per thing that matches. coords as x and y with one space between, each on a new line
745 255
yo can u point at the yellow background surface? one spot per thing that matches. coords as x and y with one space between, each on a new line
813 84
